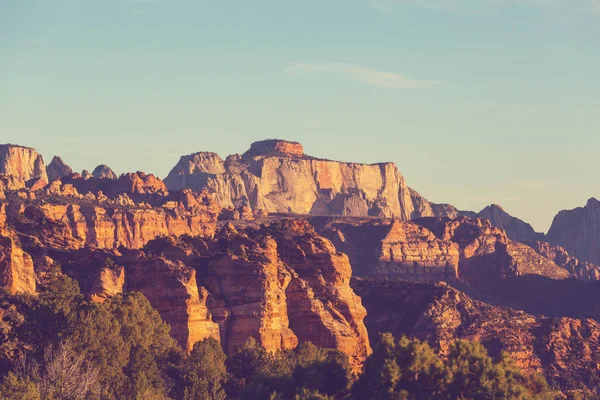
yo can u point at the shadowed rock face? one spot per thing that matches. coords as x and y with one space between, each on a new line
515 228
578 231
580 269
22 163
57 169
565 350
392 249
277 177
471 251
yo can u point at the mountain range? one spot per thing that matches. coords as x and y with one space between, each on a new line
284 247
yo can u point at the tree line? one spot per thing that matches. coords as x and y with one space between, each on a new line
58 346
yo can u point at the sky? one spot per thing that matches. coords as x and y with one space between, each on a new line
477 101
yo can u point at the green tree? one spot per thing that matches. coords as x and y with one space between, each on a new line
249 361
410 369
205 372
15 387
144 374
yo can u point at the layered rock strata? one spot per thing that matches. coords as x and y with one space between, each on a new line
276 176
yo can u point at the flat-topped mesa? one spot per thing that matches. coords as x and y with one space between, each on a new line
276 146
275 176
22 163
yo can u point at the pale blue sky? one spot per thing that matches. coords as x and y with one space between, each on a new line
478 102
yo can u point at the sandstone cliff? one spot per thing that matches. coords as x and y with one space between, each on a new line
22 163
276 176
171 288
281 284
392 249
471 251
16 267
578 231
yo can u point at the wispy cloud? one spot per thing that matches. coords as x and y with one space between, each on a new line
573 7
370 76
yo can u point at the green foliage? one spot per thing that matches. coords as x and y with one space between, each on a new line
109 333
122 349
410 369
205 372
257 374
250 361
15 387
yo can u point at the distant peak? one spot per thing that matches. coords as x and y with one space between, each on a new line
104 172
270 146
498 206
593 202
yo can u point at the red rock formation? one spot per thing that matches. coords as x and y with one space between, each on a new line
398 249
2 215
266 147
16 267
486 253
78 223
171 288
22 163
564 349
140 183
250 297
281 285
106 282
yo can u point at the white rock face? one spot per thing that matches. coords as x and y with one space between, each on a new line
22 163
275 177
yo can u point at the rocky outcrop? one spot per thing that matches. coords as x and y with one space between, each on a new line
57 169
515 228
74 223
579 269
281 284
486 253
171 288
106 283
565 350
435 249
396 249
140 183
23 164
322 309
578 231
2 215
104 172
276 176
16 267
276 146
250 299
